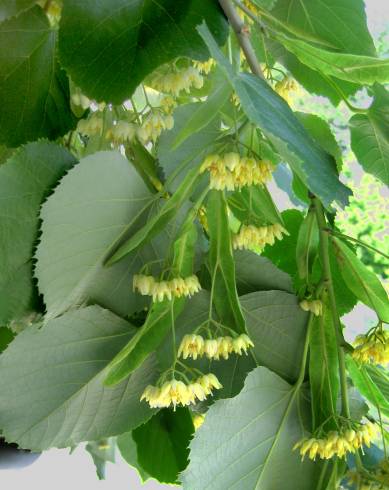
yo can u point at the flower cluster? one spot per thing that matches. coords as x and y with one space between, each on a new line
374 479
195 346
153 126
91 126
168 104
231 171
206 66
253 237
122 132
313 305
285 88
177 81
160 290
176 392
338 443
372 348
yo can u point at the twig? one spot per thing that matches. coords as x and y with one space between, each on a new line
242 33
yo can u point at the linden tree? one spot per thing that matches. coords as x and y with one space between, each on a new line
155 297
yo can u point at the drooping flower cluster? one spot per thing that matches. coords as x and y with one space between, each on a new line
168 104
122 132
253 237
195 346
91 126
372 348
204 66
174 82
160 290
338 443
313 305
231 171
285 89
174 392
153 126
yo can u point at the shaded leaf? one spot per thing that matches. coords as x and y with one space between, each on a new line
307 245
277 326
25 180
34 91
57 372
275 118
221 263
254 449
370 136
129 451
10 8
162 444
121 42
256 273
6 336
361 281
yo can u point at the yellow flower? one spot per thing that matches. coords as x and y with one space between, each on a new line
209 382
315 306
91 126
241 343
144 284
175 82
285 89
123 131
210 348
253 237
204 66
224 347
373 348
161 290
198 420
168 104
191 346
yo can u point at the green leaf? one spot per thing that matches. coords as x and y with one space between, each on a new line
129 451
320 130
246 442
33 89
372 382
221 262
266 4
162 314
347 29
162 444
364 70
361 281
193 150
57 372
102 452
283 252
323 368
370 136
25 180
254 205
121 42
6 336
307 245
10 8
93 207
275 118
231 372
277 326
156 224
204 113
256 273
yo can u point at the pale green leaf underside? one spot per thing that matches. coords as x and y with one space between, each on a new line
25 180
51 388
246 442
93 206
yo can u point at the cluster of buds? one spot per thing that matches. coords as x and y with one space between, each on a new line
174 392
231 171
168 103
206 66
252 237
122 132
91 126
285 88
313 305
161 290
338 443
372 348
177 81
195 346
375 479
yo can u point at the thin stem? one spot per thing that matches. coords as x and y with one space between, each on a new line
356 240
242 33
327 277
303 366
